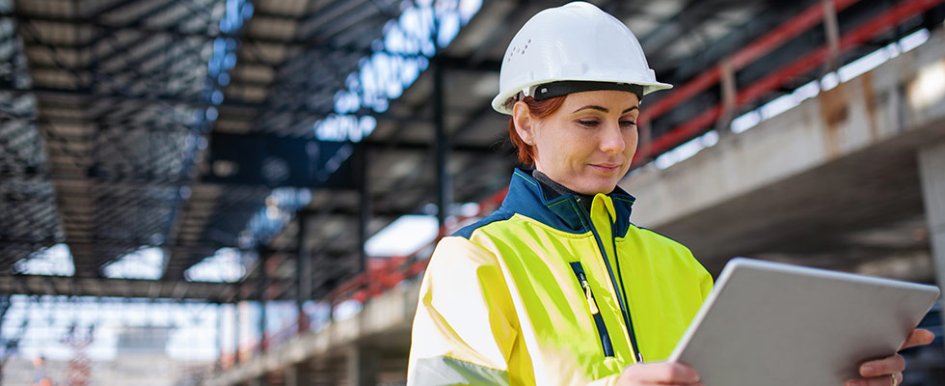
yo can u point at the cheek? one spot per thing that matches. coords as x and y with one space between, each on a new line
632 139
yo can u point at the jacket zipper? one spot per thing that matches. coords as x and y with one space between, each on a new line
595 311
624 309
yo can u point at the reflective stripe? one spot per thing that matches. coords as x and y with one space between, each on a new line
444 370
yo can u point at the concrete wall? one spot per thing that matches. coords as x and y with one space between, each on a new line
866 111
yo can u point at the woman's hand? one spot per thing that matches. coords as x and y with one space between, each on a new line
667 373
888 371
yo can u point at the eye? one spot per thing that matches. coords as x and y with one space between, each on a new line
627 123
588 122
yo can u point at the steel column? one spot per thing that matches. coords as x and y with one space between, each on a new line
263 281
236 332
443 198
220 336
932 175
364 199
303 275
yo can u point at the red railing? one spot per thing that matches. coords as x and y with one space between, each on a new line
382 275
780 77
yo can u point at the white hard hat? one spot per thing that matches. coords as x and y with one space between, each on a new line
572 48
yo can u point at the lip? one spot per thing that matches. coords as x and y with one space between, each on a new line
606 167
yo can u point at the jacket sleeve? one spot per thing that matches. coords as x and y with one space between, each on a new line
465 325
706 283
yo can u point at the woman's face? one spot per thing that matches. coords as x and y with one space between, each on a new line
587 144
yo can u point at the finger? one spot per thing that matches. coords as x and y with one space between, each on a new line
678 384
918 337
888 380
665 373
883 367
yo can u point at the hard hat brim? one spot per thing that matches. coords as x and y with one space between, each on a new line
501 102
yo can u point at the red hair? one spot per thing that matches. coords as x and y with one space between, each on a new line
537 109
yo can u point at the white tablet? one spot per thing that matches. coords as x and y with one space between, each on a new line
780 325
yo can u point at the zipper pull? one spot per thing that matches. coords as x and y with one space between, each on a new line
591 303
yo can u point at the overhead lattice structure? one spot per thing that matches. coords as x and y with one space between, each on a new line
110 108
130 124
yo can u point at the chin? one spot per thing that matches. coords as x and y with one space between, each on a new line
599 187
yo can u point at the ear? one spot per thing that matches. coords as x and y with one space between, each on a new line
524 124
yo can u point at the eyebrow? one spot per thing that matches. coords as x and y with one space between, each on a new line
604 109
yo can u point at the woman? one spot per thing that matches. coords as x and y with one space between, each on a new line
557 287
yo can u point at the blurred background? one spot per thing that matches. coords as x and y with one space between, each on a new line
246 192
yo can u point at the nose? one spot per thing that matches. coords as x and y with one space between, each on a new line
612 139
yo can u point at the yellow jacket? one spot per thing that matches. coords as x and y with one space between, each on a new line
527 296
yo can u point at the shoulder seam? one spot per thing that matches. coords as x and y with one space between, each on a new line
661 235
467 231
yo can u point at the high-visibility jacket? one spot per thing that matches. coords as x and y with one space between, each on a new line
534 294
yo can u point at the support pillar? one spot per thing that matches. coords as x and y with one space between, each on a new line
364 201
236 330
932 173
261 381
220 351
303 275
362 367
441 147
299 374
263 281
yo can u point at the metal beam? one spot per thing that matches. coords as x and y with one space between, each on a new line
53 93
312 43
123 288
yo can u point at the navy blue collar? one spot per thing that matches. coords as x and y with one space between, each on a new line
564 212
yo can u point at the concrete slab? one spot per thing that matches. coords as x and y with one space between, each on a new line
811 181
383 324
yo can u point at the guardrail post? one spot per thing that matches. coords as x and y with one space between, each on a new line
729 98
832 32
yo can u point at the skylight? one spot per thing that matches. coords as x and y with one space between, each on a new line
225 266
146 263
399 57
53 261
402 237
